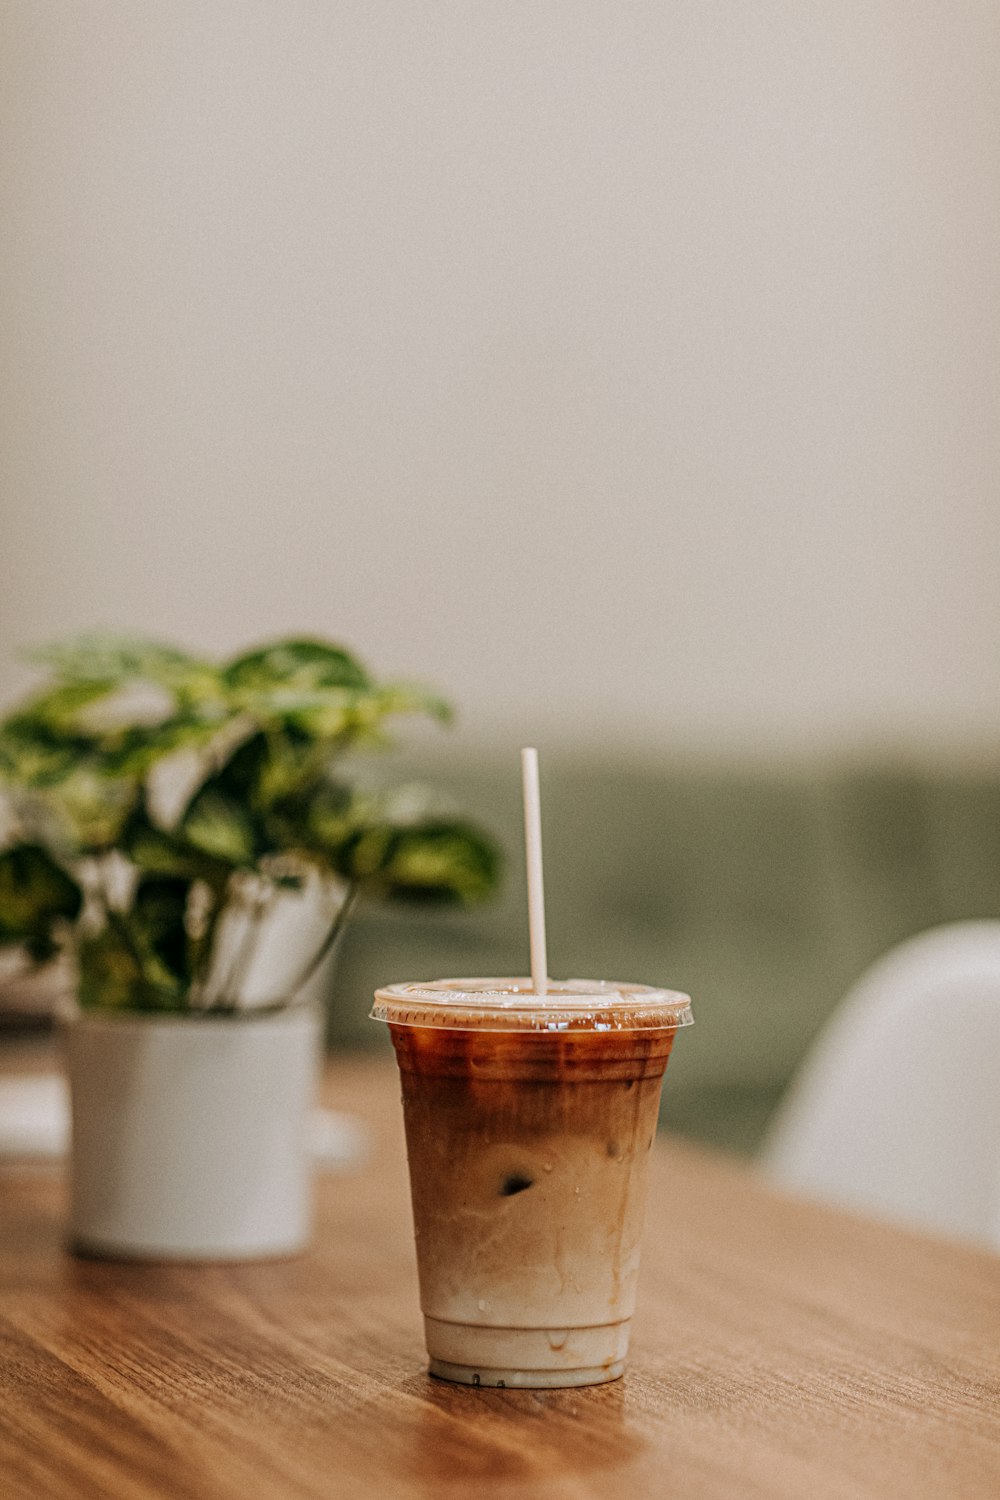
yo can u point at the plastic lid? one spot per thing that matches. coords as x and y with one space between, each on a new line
512 1005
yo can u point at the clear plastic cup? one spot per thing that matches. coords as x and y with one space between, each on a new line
529 1122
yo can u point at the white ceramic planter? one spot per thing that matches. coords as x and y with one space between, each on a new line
189 1133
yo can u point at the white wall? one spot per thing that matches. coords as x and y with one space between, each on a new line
621 366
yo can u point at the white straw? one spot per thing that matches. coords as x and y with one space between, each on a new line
533 850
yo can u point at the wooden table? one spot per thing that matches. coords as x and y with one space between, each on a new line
781 1350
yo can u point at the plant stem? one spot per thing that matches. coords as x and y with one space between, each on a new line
326 947
202 948
227 995
116 920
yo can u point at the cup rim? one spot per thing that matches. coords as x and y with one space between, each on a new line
512 1004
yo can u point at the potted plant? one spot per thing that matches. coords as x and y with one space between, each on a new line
187 838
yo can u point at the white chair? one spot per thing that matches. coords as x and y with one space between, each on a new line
896 1111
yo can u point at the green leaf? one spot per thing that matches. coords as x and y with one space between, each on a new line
221 827
58 709
33 756
353 717
93 806
302 664
311 688
95 698
280 783
41 948
433 860
157 852
312 713
136 750
242 774
69 778
110 659
335 719
35 892
156 918
114 975
361 856
319 823
410 698
442 861
109 973
330 813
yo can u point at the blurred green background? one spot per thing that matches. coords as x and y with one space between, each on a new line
762 891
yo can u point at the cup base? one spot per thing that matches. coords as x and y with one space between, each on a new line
526 1379
477 1354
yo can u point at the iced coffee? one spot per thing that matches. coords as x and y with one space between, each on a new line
529 1121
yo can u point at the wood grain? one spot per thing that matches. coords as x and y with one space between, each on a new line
782 1351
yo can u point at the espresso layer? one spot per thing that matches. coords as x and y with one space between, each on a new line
552 1057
